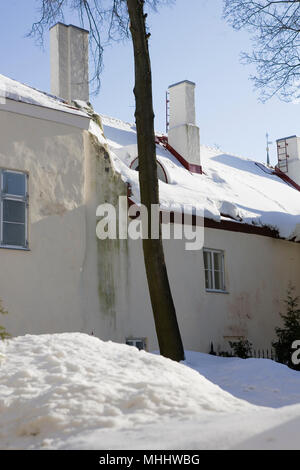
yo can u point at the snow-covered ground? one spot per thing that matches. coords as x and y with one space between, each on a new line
74 391
259 381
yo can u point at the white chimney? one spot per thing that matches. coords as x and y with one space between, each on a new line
184 135
69 55
288 151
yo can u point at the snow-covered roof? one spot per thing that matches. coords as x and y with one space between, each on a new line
231 188
16 91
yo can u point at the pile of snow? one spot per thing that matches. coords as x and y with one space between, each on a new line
74 391
262 382
231 187
16 91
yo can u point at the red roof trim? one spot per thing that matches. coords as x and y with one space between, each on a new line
189 166
241 227
228 225
286 178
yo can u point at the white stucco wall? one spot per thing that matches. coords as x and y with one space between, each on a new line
68 279
258 270
71 281
41 287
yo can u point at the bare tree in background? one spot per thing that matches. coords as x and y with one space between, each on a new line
276 43
113 20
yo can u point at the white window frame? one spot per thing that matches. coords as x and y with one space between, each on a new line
160 169
13 197
134 341
212 252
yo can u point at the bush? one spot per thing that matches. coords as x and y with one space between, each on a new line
3 332
290 331
241 348
225 354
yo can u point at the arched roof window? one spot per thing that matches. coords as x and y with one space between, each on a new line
161 174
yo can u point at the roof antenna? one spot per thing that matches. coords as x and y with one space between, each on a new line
268 149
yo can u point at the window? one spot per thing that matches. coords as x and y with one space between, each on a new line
161 174
13 209
139 343
214 270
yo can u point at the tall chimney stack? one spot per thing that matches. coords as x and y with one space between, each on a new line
69 55
184 135
288 151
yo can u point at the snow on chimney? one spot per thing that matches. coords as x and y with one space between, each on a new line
183 133
288 152
69 55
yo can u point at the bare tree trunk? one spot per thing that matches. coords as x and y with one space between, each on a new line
167 330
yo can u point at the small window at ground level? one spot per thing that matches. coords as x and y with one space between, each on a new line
139 343
13 209
214 270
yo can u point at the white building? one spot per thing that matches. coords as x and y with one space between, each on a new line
59 161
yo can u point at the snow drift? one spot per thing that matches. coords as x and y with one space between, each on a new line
75 391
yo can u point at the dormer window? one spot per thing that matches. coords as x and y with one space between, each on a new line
161 174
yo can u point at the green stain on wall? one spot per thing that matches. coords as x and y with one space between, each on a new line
112 255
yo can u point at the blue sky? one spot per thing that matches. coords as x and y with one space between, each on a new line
189 40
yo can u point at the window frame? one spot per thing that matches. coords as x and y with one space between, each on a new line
13 197
135 340
134 165
213 251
